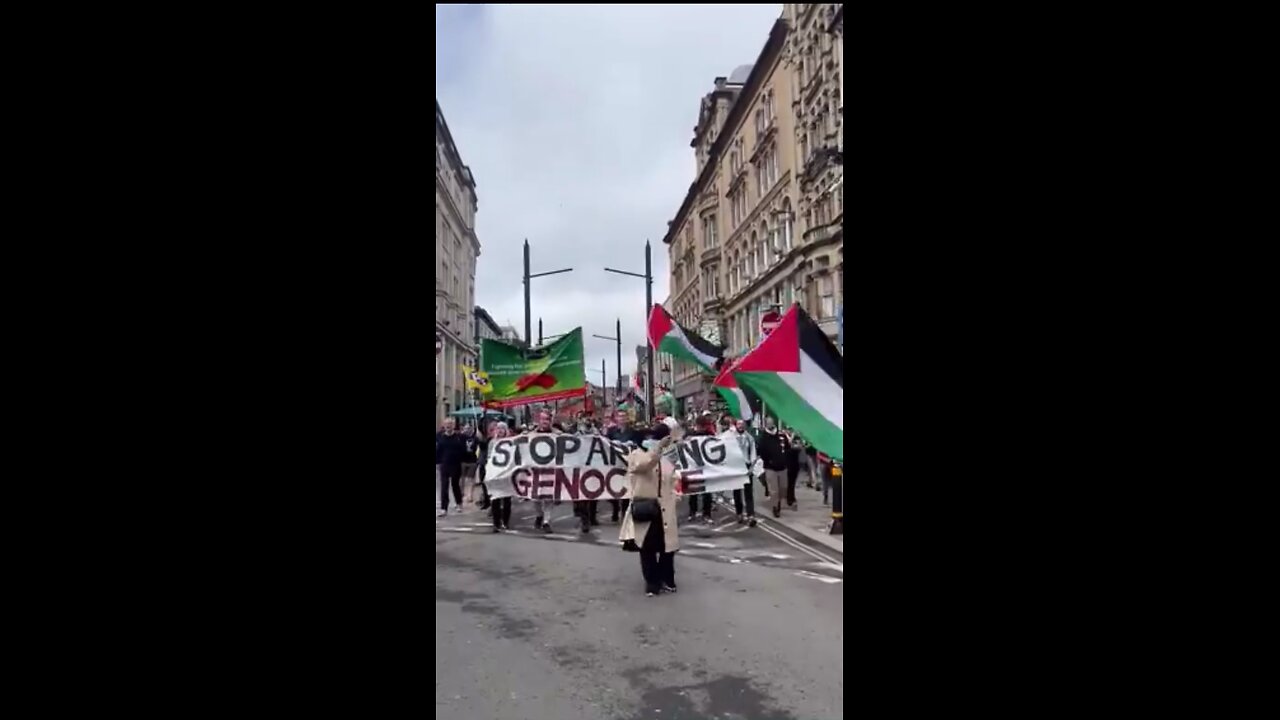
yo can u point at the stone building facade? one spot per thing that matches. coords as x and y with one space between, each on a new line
726 234
457 251
815 59
762 224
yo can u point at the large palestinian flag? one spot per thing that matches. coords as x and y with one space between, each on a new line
667 336
743 403
799 375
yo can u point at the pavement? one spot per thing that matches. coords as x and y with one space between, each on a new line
810 520
530 625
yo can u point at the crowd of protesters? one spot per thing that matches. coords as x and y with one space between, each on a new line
648 523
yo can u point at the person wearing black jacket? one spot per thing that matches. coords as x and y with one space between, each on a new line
773 447
793 467
482 456
469 459
451 451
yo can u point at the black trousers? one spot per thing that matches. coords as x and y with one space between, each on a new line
793 472
619 508
750 492
450 476
706 507
501 512
586 511
658 566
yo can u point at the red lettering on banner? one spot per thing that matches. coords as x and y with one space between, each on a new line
621 491
599 489
566 486
543 478
520 483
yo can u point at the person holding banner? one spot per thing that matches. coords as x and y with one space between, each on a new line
543 426
748 446
502 506
651 525
622 433
706 428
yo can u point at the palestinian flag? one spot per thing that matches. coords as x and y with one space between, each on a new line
666 335
743 404
799 375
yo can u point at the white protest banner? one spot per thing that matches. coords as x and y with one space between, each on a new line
545 466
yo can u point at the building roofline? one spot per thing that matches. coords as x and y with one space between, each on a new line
486 318
763 67
463 171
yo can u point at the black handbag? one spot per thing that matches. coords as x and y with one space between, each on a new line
647 509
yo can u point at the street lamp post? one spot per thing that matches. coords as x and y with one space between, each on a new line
648 308
549 337
618 339
528 313
604 395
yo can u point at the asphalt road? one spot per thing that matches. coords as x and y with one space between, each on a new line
557 627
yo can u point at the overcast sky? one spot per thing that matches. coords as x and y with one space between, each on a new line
576 122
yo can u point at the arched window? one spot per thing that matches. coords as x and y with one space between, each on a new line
752 250
766 246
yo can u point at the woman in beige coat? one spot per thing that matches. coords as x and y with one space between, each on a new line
657 545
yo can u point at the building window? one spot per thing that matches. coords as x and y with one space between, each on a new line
788 225
804 148
709 231
827 306
752 249
759 124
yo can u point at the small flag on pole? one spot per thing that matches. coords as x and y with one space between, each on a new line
477 379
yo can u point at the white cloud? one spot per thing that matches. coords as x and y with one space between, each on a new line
576 122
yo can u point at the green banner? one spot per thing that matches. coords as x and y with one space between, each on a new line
542 374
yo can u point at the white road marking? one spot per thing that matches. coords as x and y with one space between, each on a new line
764 525
820 578
802 548
704 545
